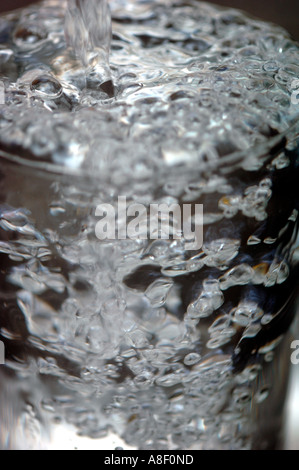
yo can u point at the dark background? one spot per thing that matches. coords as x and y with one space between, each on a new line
283 12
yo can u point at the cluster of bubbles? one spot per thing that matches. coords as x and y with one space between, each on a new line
65 105
141 337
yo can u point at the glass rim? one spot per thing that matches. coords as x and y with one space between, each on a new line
224 164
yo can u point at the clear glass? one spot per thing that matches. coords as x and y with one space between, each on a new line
141 343
88 345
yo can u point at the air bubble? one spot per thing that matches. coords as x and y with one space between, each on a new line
209 300
191 359
252 330
175 269
266 319
220 252
57 211
158 291
220 324
169 379
195 263
218 341
253 240
47 87
242 397
138 339
250 373
281 162
261 395
269 357
271 346
277 274
239 275
246 313
149 124
5 55
29 35
271 66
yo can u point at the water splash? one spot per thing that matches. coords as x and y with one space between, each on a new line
136 337
88 31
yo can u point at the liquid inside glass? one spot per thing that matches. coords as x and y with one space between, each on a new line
142 341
